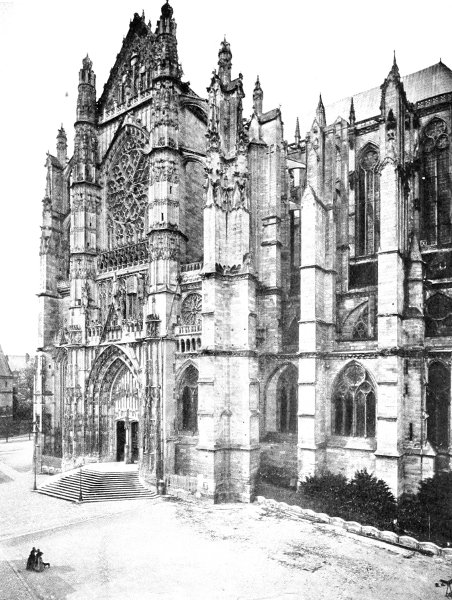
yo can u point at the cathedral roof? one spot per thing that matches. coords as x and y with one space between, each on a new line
5 371
269 115
429 82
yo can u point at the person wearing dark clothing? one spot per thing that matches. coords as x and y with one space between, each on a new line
38 563
31 559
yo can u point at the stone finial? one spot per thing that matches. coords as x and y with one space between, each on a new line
394 72
320 112
62 146
225 62
297 133
258 96
352 116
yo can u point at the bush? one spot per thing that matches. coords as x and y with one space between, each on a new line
370 501
435 503
365 498
327 492
410 516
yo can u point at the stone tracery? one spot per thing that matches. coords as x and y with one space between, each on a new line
127 194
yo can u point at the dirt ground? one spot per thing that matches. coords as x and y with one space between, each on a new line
175 550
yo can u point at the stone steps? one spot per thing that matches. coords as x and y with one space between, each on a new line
97 486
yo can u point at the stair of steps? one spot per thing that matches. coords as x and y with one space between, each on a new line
97 486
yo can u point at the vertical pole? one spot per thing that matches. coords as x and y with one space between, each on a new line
127 443
80 493
35 453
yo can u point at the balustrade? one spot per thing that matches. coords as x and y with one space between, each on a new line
125 256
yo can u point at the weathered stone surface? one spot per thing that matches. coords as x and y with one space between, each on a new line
216 301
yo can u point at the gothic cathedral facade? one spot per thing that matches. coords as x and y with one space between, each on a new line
216 301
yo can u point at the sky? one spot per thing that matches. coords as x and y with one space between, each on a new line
298 49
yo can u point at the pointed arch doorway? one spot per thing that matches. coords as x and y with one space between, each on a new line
124 403
114 421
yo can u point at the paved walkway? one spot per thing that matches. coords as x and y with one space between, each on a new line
140 550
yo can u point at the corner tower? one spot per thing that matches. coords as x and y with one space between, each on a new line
228 385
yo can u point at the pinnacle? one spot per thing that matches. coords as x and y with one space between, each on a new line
352 111
297 132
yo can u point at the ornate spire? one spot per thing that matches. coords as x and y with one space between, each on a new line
258 96
394 72
167 11
167 60
225 62
297 133
320 112
352 116
86 101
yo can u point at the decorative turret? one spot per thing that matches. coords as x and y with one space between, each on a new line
85 144
165 48
258 96
62 146
86 101
320 113
393 108
225 62
315 151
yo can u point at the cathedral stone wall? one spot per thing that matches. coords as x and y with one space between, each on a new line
215 300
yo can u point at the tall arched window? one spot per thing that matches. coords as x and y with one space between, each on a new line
368 203
435 188
438 316
438 403
353 403
287 398
188 401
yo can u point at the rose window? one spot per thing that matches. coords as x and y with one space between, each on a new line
191 310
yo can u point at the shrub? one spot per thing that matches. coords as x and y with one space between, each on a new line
435 505
365 498
326 492
370 501
410 516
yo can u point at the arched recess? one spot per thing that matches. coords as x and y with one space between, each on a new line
438 405
436 225
353 403
356 324
126 176
187 400
281 401
367 226
192 219
438 316
113 393
291 337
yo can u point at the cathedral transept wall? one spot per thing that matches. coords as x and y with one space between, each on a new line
217 302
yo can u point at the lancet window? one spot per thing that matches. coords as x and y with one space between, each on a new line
438 316
435 185
368 203
438 405
287 399
188 401
353 406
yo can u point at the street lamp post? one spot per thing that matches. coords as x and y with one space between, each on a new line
35 452
80 492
